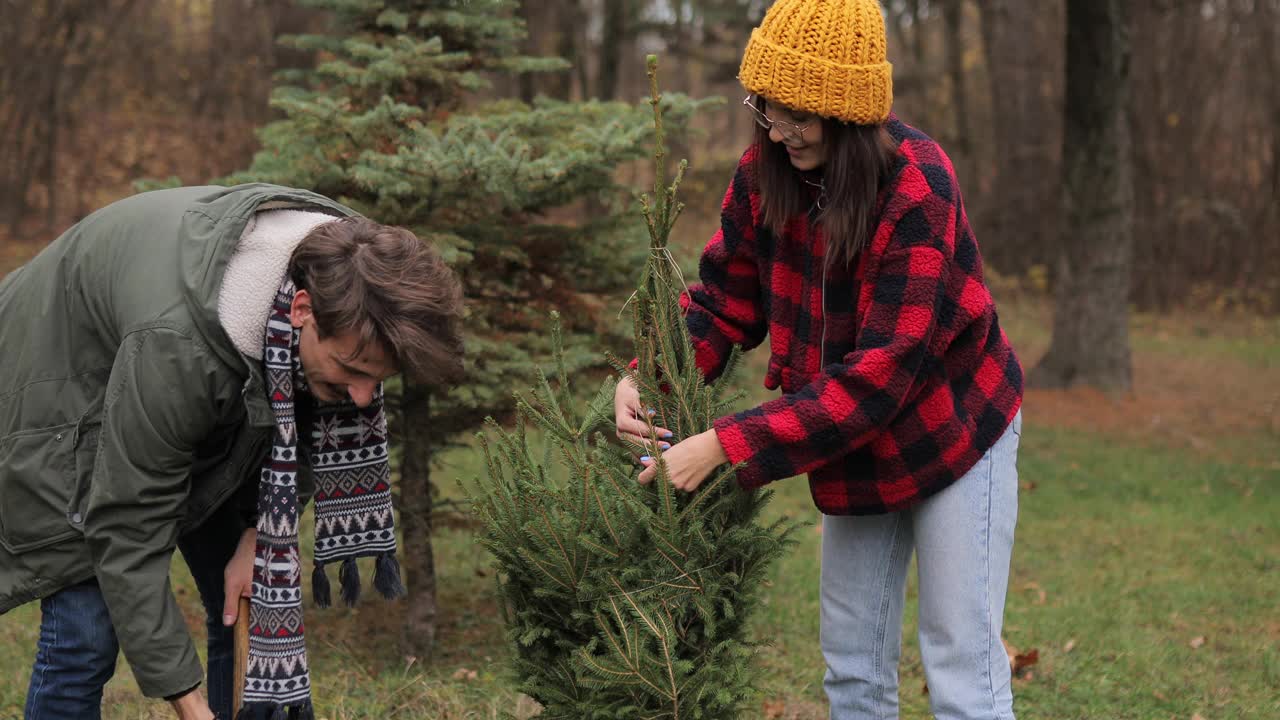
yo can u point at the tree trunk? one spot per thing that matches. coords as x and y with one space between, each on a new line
415 520
1091 320
918 40
612 40
54 118
571 47
47 53
1269 23
540 28
953 15
1018 218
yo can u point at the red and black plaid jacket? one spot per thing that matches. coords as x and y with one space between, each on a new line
918 380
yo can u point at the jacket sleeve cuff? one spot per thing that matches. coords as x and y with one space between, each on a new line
736 446
186 677
184 693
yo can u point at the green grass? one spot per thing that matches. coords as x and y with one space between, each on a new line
1146 576
1253 341
1140 553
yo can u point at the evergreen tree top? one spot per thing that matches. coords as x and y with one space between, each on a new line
399 120
622 600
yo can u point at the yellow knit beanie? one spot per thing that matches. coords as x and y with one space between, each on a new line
822 56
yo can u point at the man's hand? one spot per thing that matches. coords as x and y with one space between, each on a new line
631 417
192 706
238 577
689 462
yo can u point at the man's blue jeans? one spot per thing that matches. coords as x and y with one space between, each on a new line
77 649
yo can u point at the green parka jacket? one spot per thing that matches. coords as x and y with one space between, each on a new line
126 414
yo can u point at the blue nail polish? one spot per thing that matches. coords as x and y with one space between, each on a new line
652 411
664 446
645 458
668 434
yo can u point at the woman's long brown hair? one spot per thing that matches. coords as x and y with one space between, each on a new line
857 161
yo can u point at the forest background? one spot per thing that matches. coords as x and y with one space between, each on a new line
1149 534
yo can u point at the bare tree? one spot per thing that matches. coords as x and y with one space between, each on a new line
1270 26
49 51
1090 343
555 30
1023 49
953 16
613 44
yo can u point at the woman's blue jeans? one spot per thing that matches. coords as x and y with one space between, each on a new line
963 540
77 649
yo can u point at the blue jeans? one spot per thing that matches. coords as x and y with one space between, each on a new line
963 540
77 649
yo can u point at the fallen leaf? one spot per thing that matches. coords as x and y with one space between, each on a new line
1159 695
1040 593
464 674
1027 486
1071 645
1197 642
1197 716
1022 661
773 709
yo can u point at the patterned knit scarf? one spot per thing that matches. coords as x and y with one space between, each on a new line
348 457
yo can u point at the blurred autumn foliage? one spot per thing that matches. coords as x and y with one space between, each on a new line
97 93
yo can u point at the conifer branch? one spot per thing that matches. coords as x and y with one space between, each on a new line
627 600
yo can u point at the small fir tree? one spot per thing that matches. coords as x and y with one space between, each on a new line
398 121
622 600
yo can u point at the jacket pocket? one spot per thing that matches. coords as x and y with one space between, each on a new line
37 488
86 454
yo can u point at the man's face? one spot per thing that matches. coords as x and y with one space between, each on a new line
333 371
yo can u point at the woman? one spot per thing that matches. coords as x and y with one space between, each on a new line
844 240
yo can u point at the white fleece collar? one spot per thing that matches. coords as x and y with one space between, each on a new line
256 270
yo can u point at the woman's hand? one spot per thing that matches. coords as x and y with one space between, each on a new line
631 417
688 462
238 577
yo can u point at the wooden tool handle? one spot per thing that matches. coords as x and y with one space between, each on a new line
242 654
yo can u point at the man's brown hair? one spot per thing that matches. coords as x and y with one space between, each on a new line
388 287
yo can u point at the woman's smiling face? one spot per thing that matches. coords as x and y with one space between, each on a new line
807 152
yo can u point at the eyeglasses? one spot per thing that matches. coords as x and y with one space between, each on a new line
790 132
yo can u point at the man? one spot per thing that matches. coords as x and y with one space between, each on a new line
151 360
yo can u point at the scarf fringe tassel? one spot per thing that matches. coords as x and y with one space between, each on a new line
320 592
349 579
386 577
271 711
386 580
